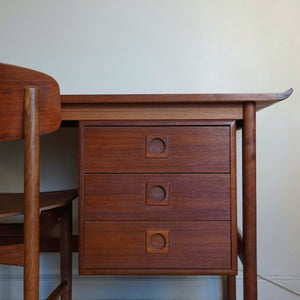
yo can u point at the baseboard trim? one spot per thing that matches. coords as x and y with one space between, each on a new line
147 287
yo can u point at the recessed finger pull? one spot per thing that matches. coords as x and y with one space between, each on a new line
157 241
156 146
157 193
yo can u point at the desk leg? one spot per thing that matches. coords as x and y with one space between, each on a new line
249 201
66 251
231 288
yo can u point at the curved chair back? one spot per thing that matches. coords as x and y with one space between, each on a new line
13 82
29 107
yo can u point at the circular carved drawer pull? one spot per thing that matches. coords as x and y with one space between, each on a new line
157 193
156 146
157 241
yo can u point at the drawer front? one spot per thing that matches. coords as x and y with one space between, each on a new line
157 245
157 197
174 149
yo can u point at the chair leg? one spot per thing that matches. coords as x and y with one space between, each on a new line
66 251
31 194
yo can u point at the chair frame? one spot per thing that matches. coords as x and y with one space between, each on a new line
28 253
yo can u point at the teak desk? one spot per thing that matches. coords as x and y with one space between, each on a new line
158 183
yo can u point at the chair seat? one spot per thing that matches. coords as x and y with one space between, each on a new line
12 204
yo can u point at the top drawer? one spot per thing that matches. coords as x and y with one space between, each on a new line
148 149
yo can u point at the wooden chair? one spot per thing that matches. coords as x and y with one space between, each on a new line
30 107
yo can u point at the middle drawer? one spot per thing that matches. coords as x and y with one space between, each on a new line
157 197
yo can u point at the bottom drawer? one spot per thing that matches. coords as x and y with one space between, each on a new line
155 245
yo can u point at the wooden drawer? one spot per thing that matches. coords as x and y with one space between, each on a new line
122 245
157 197
148 149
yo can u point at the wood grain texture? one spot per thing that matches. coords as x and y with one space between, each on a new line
144 109
81 230
31 193
12 204
193 244
157 241
175 98
157 146
12 233
157 193
156 123
156 111
249 202
170 272
233 196
163 106
55 227
190 149
29 107
231 287
12 254
13 81
124 197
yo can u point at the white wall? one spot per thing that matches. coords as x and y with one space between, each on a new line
168 46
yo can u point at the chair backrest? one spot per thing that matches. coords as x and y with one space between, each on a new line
13 81
29 107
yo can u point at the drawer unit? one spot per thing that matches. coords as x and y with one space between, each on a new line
157 197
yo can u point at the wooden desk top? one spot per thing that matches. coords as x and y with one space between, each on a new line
164 106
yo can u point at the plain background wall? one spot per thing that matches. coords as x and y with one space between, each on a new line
167 46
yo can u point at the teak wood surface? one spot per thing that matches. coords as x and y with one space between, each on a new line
157 178
124 149
163 106
13 81
31 193
115 188
124 197
198 174
263 98
249 202
193 245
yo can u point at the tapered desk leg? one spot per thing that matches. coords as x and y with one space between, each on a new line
231 287
249 201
